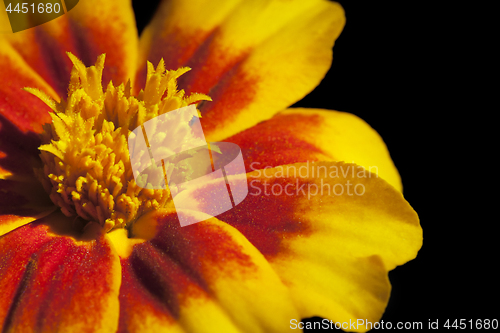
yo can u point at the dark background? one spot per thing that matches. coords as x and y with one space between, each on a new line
390 68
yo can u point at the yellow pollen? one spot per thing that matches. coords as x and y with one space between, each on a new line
84 150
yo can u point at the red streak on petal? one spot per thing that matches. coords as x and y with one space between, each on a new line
178 48
136 300
45 51
277 141
268 218
95 39
176 266
235 90
163 278
52 63
174 47
16 267
209 64
216 71
51 281
199 243
26 111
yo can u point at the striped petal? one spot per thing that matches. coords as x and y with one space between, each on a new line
301 135
253 58
24 110
88 30
198 278
54 283
330 230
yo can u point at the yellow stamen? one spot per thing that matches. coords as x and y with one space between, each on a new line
87 169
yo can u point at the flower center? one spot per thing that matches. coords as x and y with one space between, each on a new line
87 169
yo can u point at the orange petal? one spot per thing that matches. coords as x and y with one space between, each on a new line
88 30
26 111
253 58
330 230
199 278
53 283
301 135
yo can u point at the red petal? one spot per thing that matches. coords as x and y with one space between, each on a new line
202 277
26 111
54 283
88 30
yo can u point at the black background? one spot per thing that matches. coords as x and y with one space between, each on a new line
391 69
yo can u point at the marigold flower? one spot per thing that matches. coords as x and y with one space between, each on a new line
84 248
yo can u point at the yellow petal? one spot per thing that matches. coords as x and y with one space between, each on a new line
253 58
330 230
301 135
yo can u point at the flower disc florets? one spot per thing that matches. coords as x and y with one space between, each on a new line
84 150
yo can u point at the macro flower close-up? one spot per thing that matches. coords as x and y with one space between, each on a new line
85 248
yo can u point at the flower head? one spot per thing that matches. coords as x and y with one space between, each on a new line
84 248
86 163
